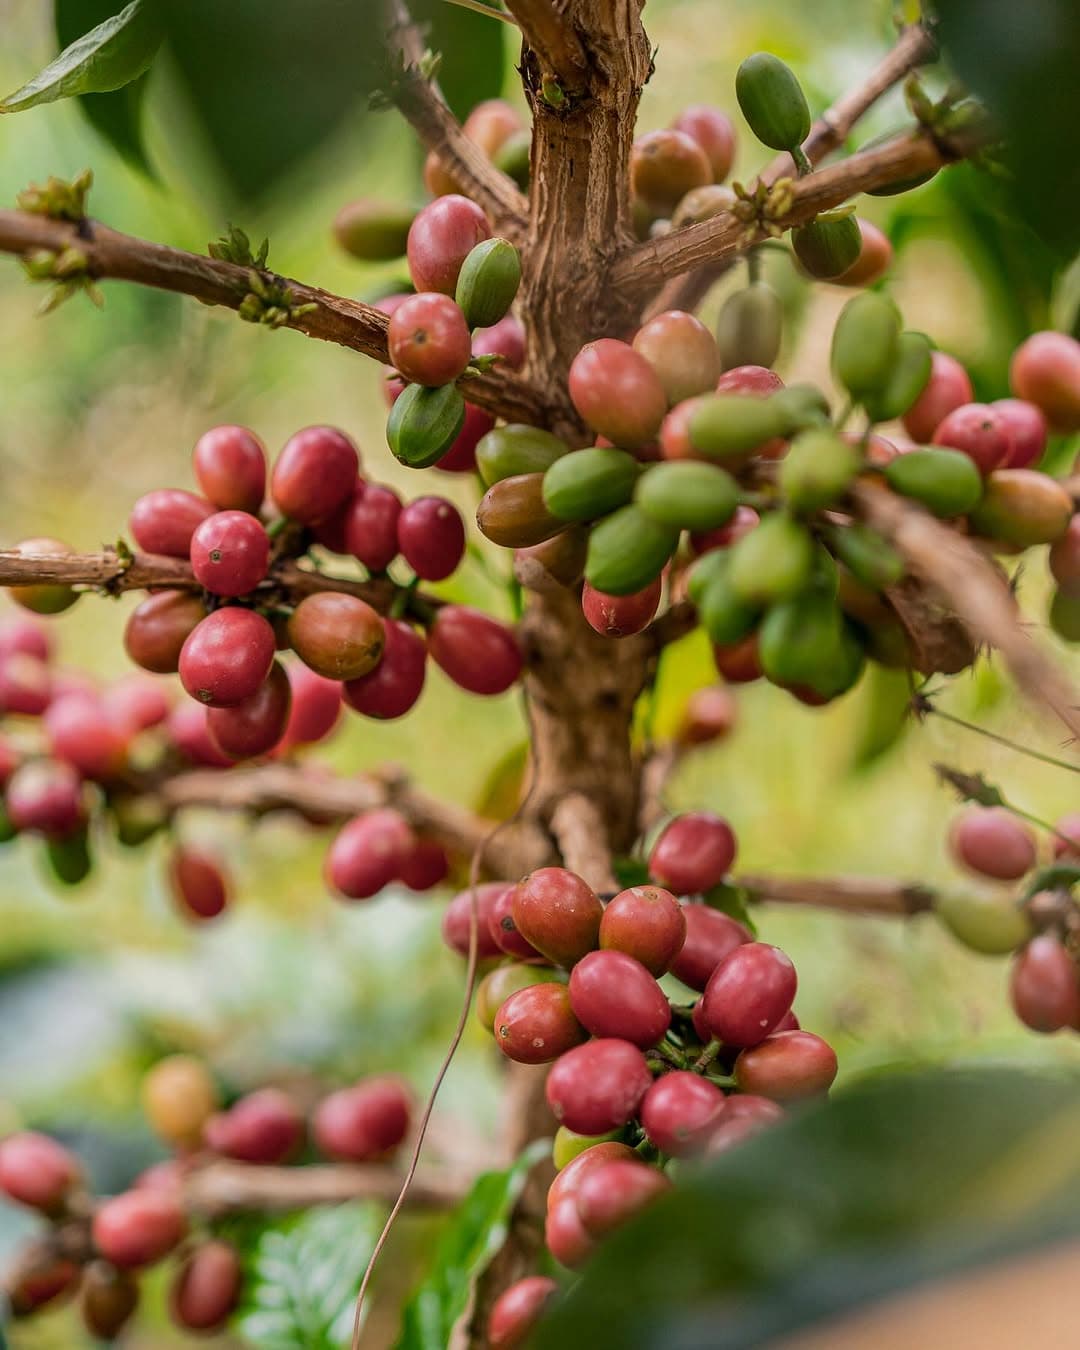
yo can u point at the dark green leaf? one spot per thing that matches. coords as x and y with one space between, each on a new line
1050 878
474 1236
731 900
630 871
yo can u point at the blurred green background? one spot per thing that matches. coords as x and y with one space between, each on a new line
97 408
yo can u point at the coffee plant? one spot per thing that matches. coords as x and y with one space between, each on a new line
645 475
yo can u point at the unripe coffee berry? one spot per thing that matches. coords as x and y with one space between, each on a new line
339 636
178 1097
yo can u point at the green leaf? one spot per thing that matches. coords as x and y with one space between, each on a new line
900 1179
1057 875
733 901
630 871
303 1276
466 1249
883 714
108 57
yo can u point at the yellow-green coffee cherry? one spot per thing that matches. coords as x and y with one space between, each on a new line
864 344
772 101
587 484
817 470
730 427
993 925
687 495
828 245
749 327
488 281
424 423
373 231
773 562
909 376
516 448
946 482
627 550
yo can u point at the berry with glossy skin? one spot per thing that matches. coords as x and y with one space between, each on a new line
1045 370
498 984
431 537
517 1310
164 520
573 1173
367 853
874 260
787 1066
365 1122
565 1236
1043 985
230 468
314 474
537 1024
713 131
37 1171
665 166
617 392
738 662
979 432
159 626
680 1111
428 339
1027 430
597 1086
694 853
230 553
748 994
461 457
188 732
197 884
226 657
178 1097
315 708
371 524
992 843
80 732
614 995
505 338
206 1288
138 1227
559 914
45 796
948 388
109 1298
674 436
617 616
395 684
504 930
477 652
647 923
339 636
255 726
425 866
441 237
711 937
611 1195
457 920
682 351
264 1127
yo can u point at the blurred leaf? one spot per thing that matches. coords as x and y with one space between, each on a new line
896 1180
303 1276
630 871
731 900
882 715
500 796
108 56
467 1247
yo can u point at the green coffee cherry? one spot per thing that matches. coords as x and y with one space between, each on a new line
817 470
69 857
731 427
828 245
801 641
715 563
946 482
749 327
1064 615
867 556
864 344
513 157
724 616
687 495
488 281
773 562
424 423
373 231
566 1145
507 451
908 377
772 101
587 484
801 406
627 550
993 925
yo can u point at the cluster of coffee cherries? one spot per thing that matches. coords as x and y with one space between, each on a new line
103 1246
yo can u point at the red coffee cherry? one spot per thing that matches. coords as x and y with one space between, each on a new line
948 388
26 685
456 920
365 1122
504 930
136 702
1027 430
787 1066
187 731
743 1117
739 662
1069 826
565 1236
109 1298
1045 370
22 635
206 1288
517 1310
992 843
711 937
874 260
611 1195
682 351
314 474
647 923
428 339
230 468
230 553
226 658
714 132
431 537
748 994
43 1285
680 1111
566 1184
164 520
537 1024
665 166
441 237
197 884
396 683
1043 985
694 853
367 854
45 796
709 716
560 915
614 995
426 866
264 1127
979 431
461 457
477 652
339 636
37 1171
598 1086
138 1228
371 526
741 523
159 626
315 708
9 760
80 732
617 616
617 392
505 338
1064 557
674 438
757 380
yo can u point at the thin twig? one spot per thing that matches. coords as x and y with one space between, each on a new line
925 706
478 8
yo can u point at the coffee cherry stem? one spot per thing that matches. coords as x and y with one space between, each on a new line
707 1056
802 163
922 705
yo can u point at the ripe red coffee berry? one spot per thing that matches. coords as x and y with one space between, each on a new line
714 132
504 930
138 1228
461 457
164 520
979 432
187 731
517 1310
566 1184
365 1122
680 1111
682 351
206 1289
425 866
665 166
948 388
457 919
136 702
647 923
611 1195
617 616
159 626
614 995
742 1118
230 553
874 260
565 1236
748 994
441 237
598 1086
693 853
617 392
711 937
477 652
505 338
226 657
80 732
19 633
559 914
26 685
339 636
537 1024
396 683
742 522
230 468
993 843
431 537
674 438
315 708
1043 985
428 339
264 1127
37 1171
1027 430
45 796
739 662
314 474
371 526
367 853
1045 370
197 884
787 1066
